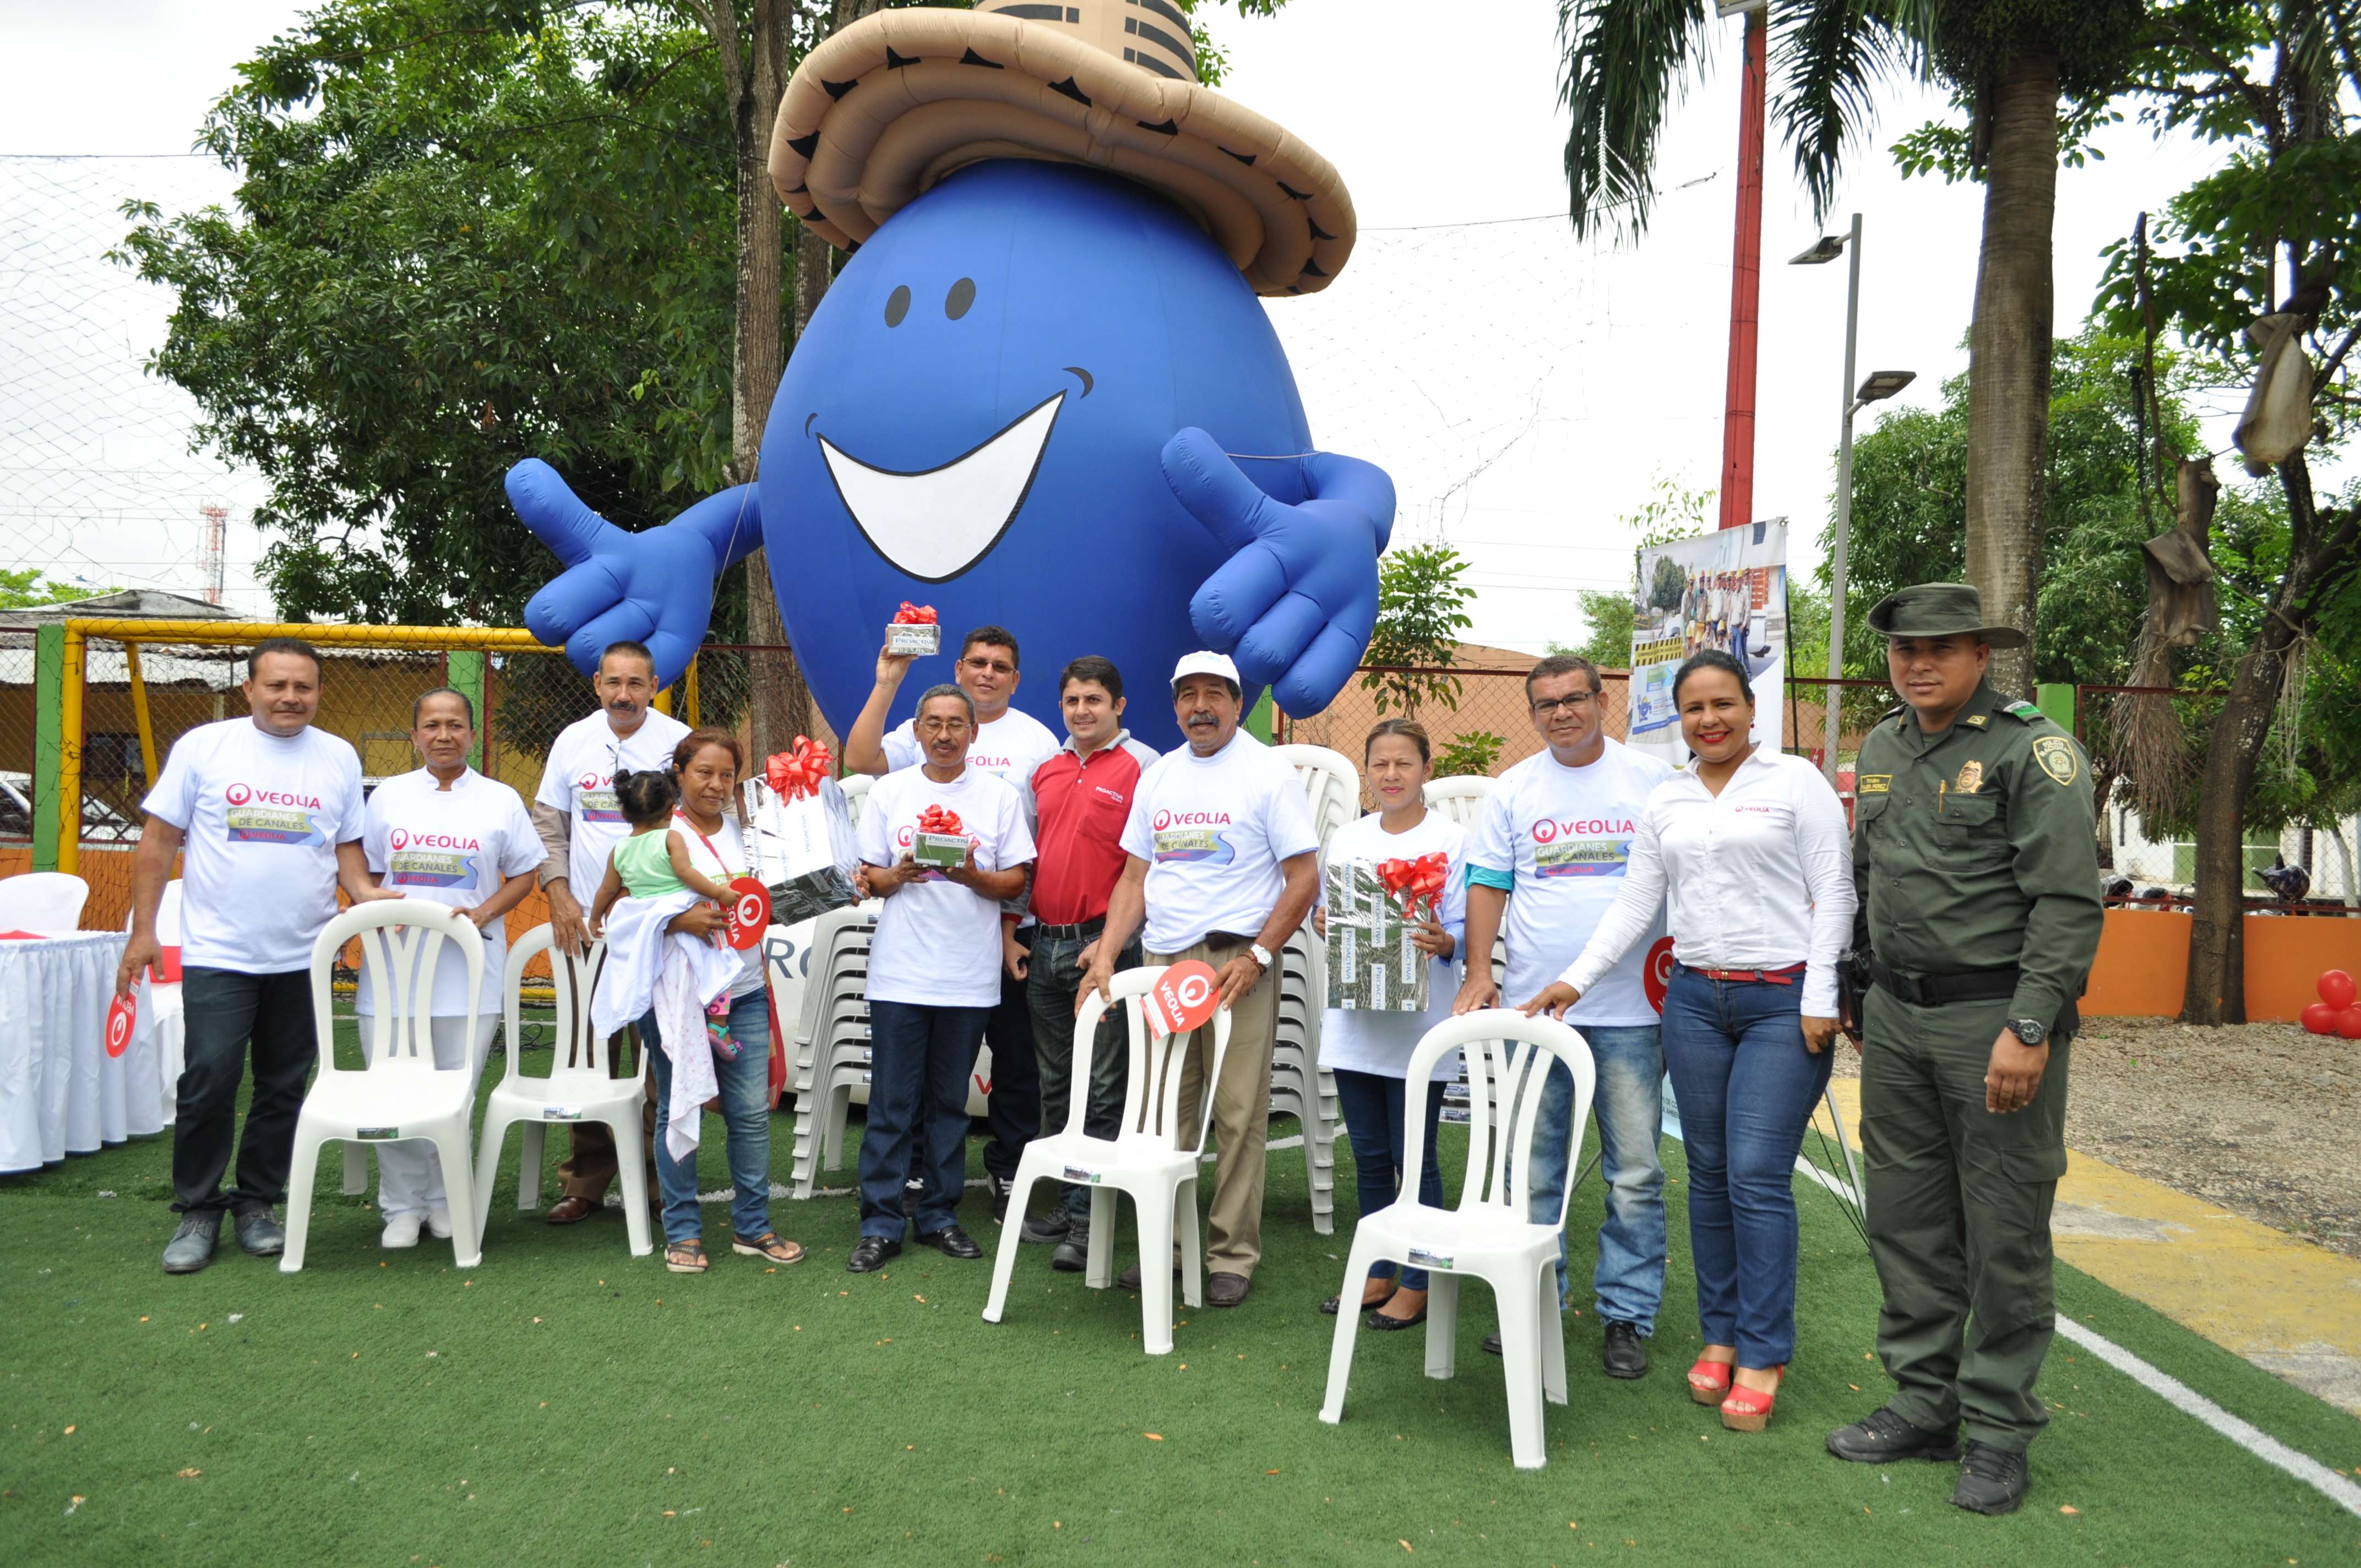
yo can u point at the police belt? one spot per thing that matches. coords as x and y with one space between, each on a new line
1940 990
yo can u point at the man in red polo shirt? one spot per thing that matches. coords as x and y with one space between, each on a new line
1084 796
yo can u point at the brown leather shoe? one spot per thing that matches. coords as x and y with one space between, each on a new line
1226 1290
1129 1279
569 1211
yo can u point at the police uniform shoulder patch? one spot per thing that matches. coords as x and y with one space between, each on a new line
2026 711
2058 758
1975 720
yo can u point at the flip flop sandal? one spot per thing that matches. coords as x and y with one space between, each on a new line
768 1245
686 1257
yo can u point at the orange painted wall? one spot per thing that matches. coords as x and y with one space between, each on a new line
2143 963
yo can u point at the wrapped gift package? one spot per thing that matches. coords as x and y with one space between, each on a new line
799 835
1373 965
914 630
944 852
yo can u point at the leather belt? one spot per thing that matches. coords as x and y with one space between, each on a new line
1090 927
1940 990
1755 976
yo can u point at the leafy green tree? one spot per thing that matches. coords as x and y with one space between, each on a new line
27 589
1422 614
2274 229
2007 62
1472 752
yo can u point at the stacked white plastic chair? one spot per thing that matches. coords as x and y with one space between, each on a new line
400 1093
1301 1087
48 903
577 1089
1489 1235
1145 1159
1461 799
828 1045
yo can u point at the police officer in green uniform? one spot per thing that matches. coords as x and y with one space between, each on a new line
1975 857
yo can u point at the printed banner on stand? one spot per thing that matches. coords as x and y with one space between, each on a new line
1725 591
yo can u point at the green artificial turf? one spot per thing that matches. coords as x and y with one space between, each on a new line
567 1403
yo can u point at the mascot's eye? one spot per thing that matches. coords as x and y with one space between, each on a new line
897 305
962 295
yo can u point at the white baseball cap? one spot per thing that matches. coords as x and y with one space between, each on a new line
1205 662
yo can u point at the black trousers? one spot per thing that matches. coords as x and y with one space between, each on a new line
223 1011
1014 1106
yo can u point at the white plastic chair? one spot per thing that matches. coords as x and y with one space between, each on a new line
48 903
1489 1235
163 1004
856 794
1459 798
576 1089
400 1093
1331 781
1145 1159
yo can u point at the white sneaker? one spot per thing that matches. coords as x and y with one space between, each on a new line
438 1223
400 1230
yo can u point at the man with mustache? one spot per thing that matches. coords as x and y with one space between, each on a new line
1224 866
269 811
580 823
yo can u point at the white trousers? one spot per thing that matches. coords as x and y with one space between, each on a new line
409 1173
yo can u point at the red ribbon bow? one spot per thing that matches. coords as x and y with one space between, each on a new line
798 772
1416 881
935 819
914 614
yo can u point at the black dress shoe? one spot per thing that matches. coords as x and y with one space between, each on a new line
1625 1354
951 1242
1491 1345
1992 1481
1385 1323
871 1253
1885 1436
997 1190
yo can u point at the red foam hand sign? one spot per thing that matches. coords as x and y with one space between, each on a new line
750 913
914 614
1183 997
121 1016
1414 882
935 819
799 771
1658 977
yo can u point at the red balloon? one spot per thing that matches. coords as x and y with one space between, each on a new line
2348 1022
2336 989
2320 1018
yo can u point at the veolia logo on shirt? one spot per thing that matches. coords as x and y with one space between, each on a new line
1192 836
1577 846
594 797
255 816
430 859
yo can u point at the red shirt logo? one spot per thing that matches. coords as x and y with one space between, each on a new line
237 795
398 838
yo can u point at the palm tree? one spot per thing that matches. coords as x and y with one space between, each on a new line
2006 63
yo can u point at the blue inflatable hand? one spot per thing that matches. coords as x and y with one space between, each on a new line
1297 599
654 586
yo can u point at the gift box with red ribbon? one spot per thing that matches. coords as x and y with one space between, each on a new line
914 630
799 833
942 839
1374 906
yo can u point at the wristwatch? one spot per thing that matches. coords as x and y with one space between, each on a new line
1261 955
2032 1031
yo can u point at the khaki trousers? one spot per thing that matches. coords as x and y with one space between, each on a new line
1241 1110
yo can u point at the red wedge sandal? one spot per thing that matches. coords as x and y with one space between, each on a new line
1749 1409
1710 1381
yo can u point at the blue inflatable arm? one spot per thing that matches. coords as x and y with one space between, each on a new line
1296 599
654 586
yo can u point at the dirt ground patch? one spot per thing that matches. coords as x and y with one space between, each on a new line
2262 1119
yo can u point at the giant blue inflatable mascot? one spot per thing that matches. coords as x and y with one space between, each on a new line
1042 392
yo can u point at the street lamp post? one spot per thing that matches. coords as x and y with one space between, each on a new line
1881 385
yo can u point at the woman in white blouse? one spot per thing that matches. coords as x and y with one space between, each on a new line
1748 847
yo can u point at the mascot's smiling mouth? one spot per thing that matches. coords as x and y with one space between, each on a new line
936 523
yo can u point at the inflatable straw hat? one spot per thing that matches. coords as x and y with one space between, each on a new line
881 111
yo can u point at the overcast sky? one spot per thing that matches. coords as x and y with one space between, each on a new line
1524 390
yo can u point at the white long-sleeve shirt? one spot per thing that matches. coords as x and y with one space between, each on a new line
1758 877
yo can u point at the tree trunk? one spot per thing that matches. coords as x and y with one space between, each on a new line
754 68
2008 359
2321 552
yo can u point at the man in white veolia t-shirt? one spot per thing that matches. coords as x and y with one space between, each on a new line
1224 864
580 822
267 810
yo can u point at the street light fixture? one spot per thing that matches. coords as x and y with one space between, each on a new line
1884 384
1828 248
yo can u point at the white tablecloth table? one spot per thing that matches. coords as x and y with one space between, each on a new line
60 1093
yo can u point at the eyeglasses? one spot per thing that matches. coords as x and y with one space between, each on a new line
1547 708
995 666
942 725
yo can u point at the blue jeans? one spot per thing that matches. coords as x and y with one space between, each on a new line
745 1120
1377 1111
1629 1107
1746 1087
919 1058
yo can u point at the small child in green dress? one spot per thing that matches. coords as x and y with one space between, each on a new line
654 864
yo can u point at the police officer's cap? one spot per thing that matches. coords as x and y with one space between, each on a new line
1939 609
